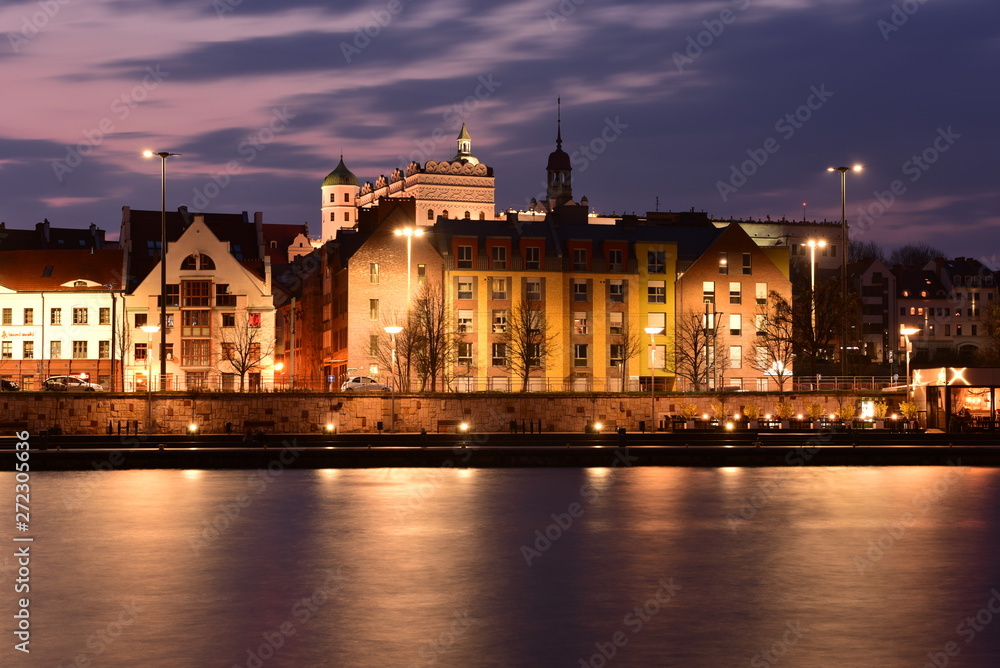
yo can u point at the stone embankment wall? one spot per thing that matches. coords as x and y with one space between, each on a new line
309 412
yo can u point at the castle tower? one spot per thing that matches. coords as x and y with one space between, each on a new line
465 148
560 182
339 207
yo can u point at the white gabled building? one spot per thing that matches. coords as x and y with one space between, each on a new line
220 310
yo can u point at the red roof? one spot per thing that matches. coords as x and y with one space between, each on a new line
38 270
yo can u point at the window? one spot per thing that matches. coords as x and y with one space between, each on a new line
228 319
761 353
533 290
430 214
735 324
482 215
499 255
421 274
833 250
465 288
140 352
659 356
657 321
747 267
373 345
723 263
195 323
104 316
465 321
196 352
464 256
173 295
759 323
534 354
708 292
947 330
580 323
7 350
467 216
615 261
974 329
373 309
8 316
499 288
55 350
196 293
28 350
465 352
580 290
222 296
499 322
656 262
189 263
29 316
79 350
735 293
735 357
347 216
616 323
532 257
958 330
579 354
55 316
760 292
616 354
373 273
579 259
499 357
616 290
140 320
79 316
103 349
657 292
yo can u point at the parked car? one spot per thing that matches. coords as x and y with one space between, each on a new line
70 384
363 384
8 386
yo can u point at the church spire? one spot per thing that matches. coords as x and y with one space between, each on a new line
559 123
559 170
464 154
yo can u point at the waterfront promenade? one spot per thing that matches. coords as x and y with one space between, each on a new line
492 450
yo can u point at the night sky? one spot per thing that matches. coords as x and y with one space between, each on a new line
735 108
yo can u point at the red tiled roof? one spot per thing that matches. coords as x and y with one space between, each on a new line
26 270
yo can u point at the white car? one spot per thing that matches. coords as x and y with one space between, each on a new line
363 384
70 384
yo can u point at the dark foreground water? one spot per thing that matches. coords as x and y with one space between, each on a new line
557 567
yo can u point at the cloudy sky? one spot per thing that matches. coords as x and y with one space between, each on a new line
734 107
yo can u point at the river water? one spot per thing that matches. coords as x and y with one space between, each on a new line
510 567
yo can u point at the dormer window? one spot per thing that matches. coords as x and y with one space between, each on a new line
192 262
79 284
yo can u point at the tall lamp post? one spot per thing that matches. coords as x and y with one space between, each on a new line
409 233
652 331
907 332
393 330
843 254
812 281
163 155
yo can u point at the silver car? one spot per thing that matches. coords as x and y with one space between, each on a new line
70 384
363 384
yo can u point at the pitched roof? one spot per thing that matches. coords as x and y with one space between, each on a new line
48 270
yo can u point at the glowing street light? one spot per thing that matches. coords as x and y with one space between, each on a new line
907 332
162 155
652 331
843 254
409 233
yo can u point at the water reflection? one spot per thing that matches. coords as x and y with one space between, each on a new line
445 567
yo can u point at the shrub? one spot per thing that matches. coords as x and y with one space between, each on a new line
752 411
784 410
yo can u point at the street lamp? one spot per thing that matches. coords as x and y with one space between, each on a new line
812 281
843 234
652 331
162 155
393 330
409 233
907 332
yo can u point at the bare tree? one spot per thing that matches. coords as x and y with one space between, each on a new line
989 354
832 308
913 255
630 346
438 343
406 343
528 341
864 250
775 342
699 350
245 345
123 344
